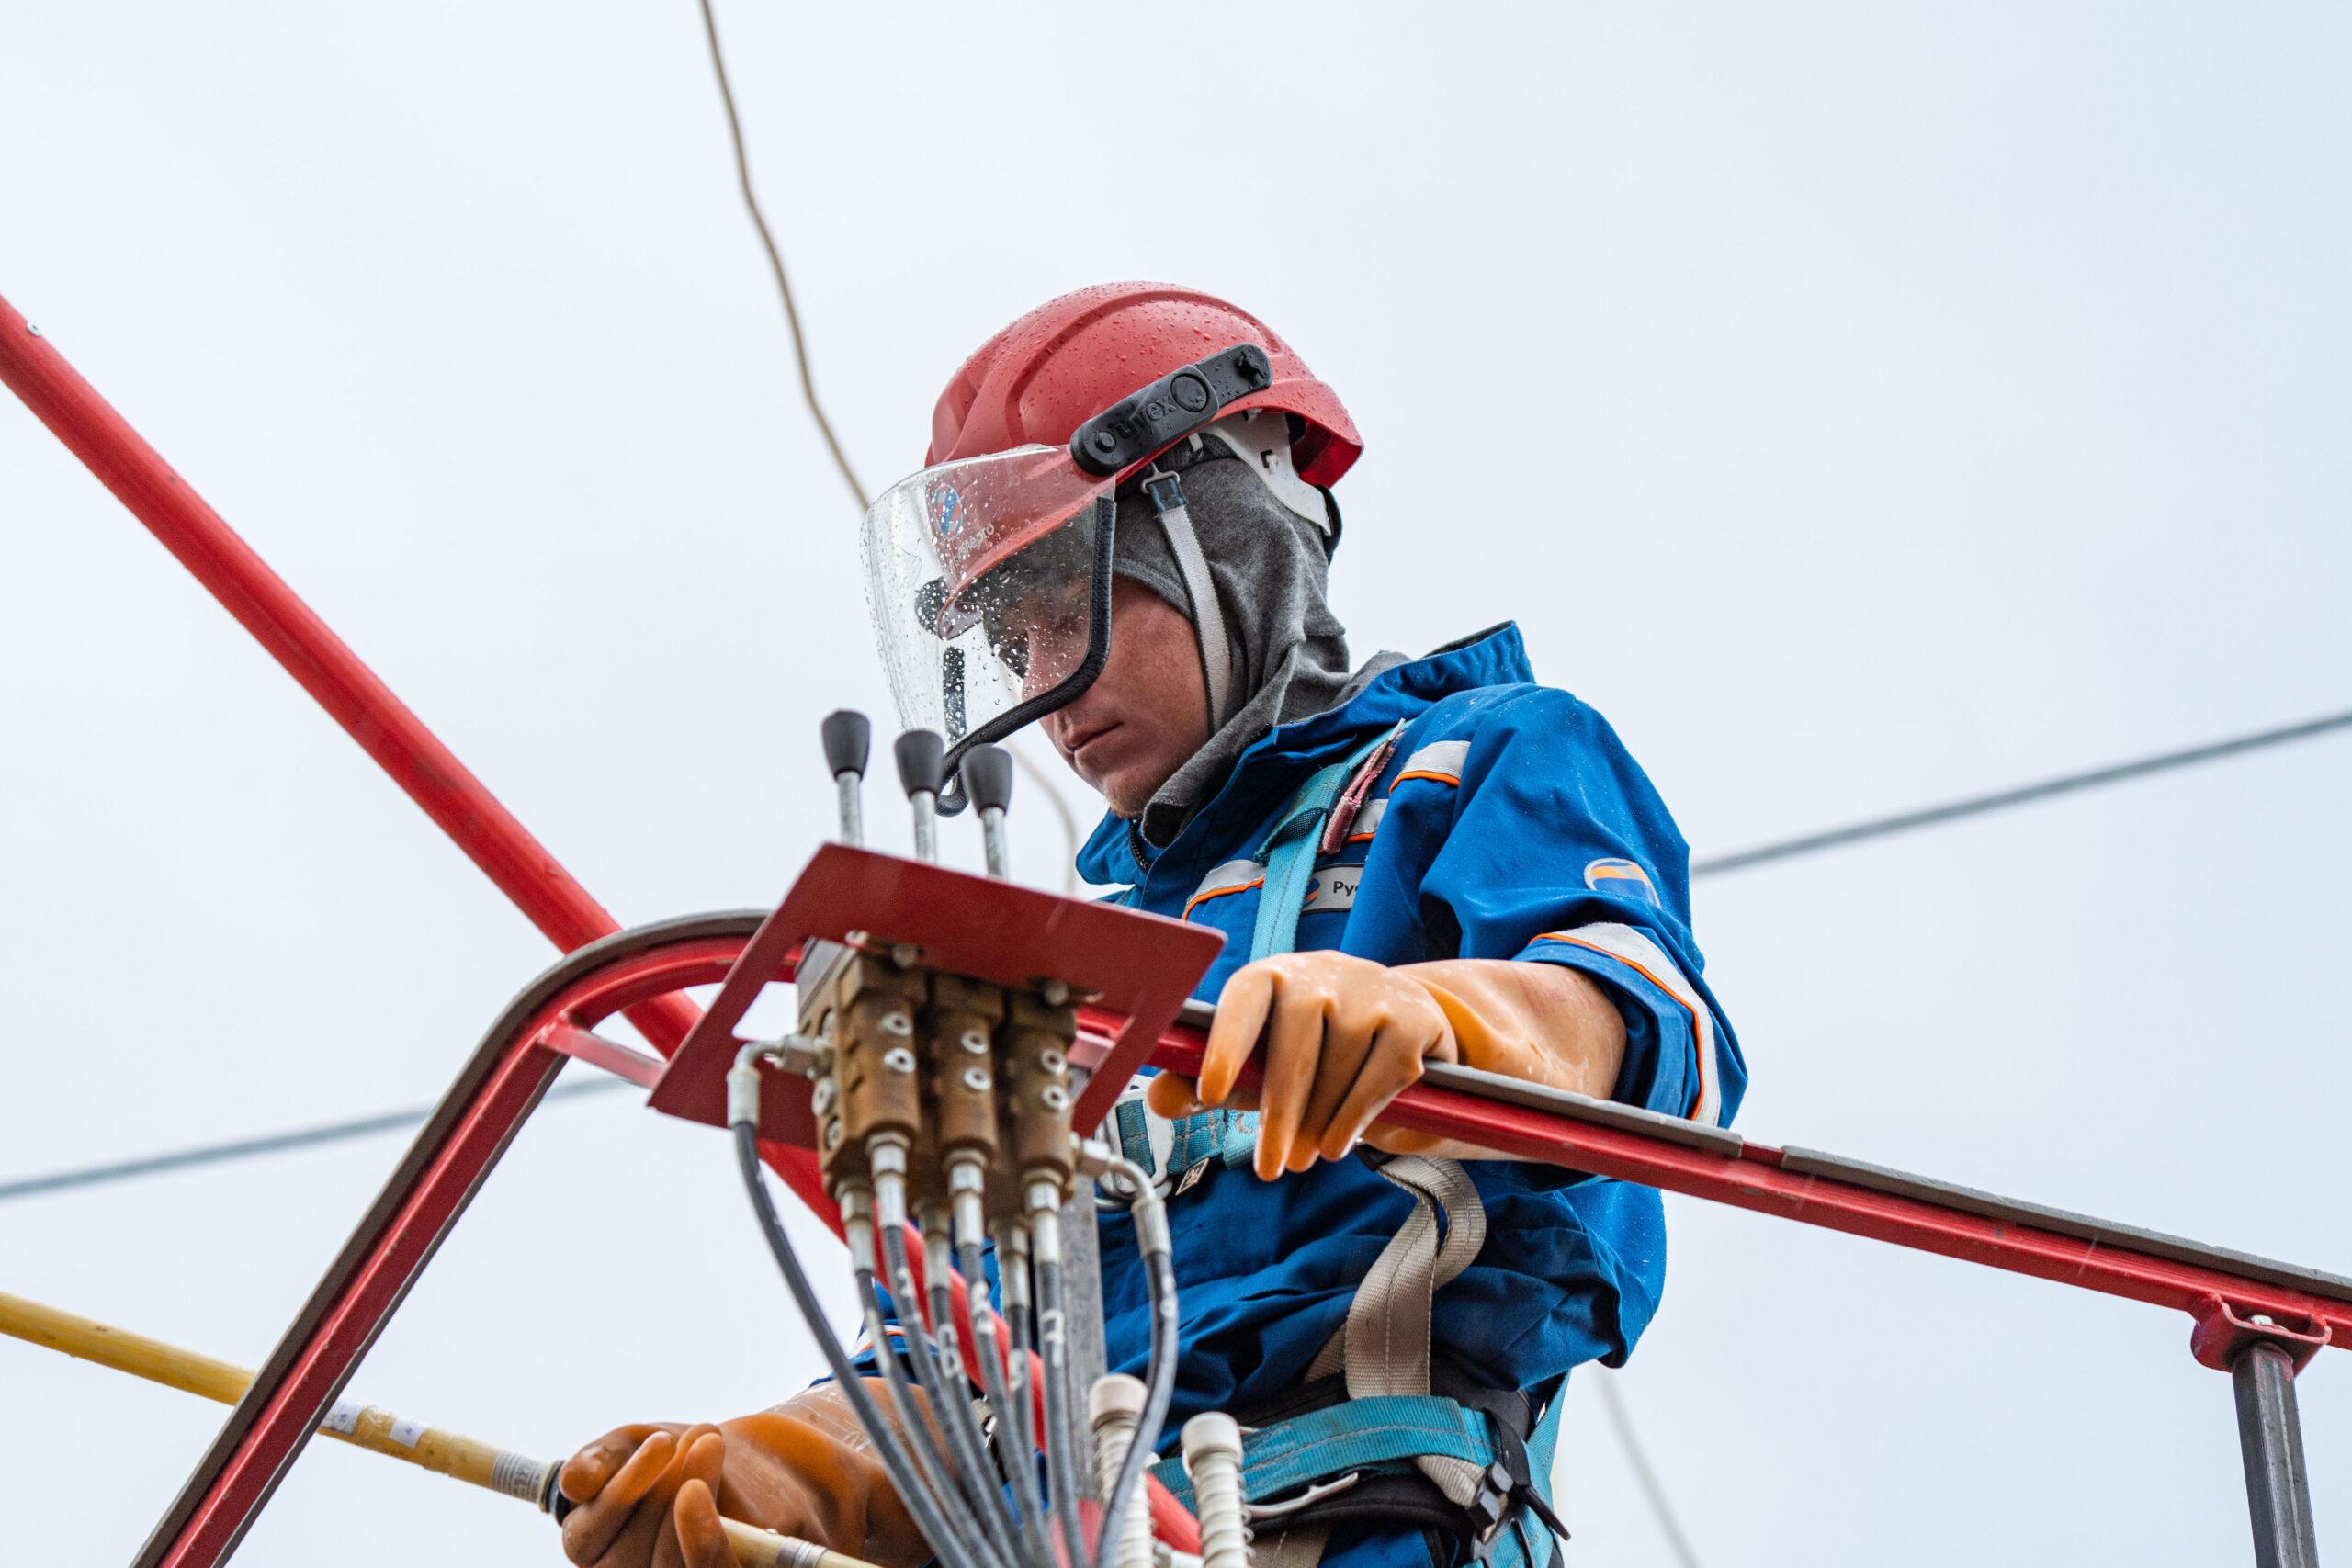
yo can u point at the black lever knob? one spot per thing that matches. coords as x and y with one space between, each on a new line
848 737
922 756
988 777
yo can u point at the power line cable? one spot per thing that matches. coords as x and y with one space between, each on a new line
1975 805
274 1142
776 259
1877 828
1614 1404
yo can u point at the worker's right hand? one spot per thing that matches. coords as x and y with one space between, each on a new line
651 1496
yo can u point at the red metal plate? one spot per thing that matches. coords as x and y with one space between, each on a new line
1139 967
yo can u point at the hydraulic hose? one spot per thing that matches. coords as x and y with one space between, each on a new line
1062 1465
952 1463
928 1517
1152 1240
1014 1457
1013 1275
928 1463
940 1369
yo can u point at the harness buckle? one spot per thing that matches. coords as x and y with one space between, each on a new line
1491 1506
1316 1494
1173 500
1507 1481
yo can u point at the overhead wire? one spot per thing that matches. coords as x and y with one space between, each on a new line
269 1144
2001 800
776 260
1622 1424
1789 848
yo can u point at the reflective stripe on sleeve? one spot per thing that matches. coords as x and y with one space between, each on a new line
1633 948
1367 821
1440 759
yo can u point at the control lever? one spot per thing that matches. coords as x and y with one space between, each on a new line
988 784
847 738
922 757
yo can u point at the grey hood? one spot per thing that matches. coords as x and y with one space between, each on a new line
1270 571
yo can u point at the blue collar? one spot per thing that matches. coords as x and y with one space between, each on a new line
1494 657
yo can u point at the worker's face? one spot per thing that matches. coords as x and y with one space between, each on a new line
1147 712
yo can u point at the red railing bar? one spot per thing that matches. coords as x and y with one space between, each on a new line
321 662
1748 1176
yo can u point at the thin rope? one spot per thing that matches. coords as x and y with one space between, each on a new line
1060 804
1614 1404
1880 827
776 260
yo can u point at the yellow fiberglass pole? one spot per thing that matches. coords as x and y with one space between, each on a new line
380 1431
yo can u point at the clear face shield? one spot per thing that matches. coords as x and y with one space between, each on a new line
990 584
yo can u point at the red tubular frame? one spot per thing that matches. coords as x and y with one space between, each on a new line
1753 1179
515 1063
327 669
236 1478
640 971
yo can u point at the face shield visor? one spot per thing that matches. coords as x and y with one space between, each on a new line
989 578
990 584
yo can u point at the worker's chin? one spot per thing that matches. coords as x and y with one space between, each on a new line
1128 790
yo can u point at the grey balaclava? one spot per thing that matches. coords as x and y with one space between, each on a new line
1270 567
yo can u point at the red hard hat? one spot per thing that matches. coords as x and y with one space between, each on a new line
1067 360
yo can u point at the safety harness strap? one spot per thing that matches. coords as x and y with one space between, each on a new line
1230 1137
1388 1333
1289 852
1355 1436
1390 1422
1300 1546
1167 493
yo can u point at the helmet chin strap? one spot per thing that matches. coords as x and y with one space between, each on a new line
1166 495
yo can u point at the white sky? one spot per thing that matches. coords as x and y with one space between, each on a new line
1861 405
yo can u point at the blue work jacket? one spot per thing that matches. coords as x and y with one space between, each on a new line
1510 822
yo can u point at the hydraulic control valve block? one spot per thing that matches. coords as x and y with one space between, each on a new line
1038 1096
872 1083
960 1061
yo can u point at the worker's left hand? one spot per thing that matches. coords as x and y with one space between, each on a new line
651 1495
1344 1036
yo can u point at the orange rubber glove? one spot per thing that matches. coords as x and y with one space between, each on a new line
651 1495
1344 1036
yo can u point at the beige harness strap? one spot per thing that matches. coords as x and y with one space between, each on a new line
1300 1547
1385 1348
1388 1325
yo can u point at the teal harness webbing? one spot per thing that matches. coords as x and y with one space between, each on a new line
1383 1433
1288 855
1356 1435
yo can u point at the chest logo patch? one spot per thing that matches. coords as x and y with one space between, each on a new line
1621 878
1333 889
